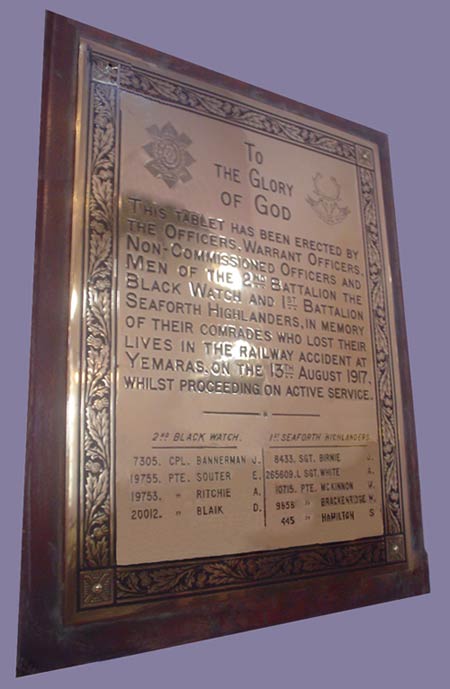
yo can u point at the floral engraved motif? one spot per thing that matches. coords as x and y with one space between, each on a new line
325 203
382 353
169 157
153 581
97 389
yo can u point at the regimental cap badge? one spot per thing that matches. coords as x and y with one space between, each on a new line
326 200
169 157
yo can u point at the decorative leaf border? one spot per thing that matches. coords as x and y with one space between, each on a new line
381 340
96 523
237 571
171 92
108 76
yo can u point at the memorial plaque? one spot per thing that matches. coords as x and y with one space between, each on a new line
221 430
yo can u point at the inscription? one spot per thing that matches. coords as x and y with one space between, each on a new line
246 404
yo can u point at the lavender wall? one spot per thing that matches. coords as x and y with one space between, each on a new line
384 64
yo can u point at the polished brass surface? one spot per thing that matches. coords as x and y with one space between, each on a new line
233 382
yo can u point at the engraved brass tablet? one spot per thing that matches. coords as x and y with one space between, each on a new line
237 387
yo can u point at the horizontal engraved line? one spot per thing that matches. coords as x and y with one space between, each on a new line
234 413
256 413
331 447
194 447
280 414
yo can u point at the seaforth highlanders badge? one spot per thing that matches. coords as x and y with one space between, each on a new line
326 201
169 155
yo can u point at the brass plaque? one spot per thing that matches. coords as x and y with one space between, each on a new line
232 308
237 409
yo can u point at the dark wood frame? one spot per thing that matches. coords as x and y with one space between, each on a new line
45 641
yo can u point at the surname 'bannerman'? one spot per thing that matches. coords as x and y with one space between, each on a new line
221 459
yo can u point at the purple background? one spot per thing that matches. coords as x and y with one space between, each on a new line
384 64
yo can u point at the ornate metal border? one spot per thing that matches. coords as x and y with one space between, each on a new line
97 427
237 571
381 340
96 549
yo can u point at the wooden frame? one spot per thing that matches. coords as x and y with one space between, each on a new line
51 635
